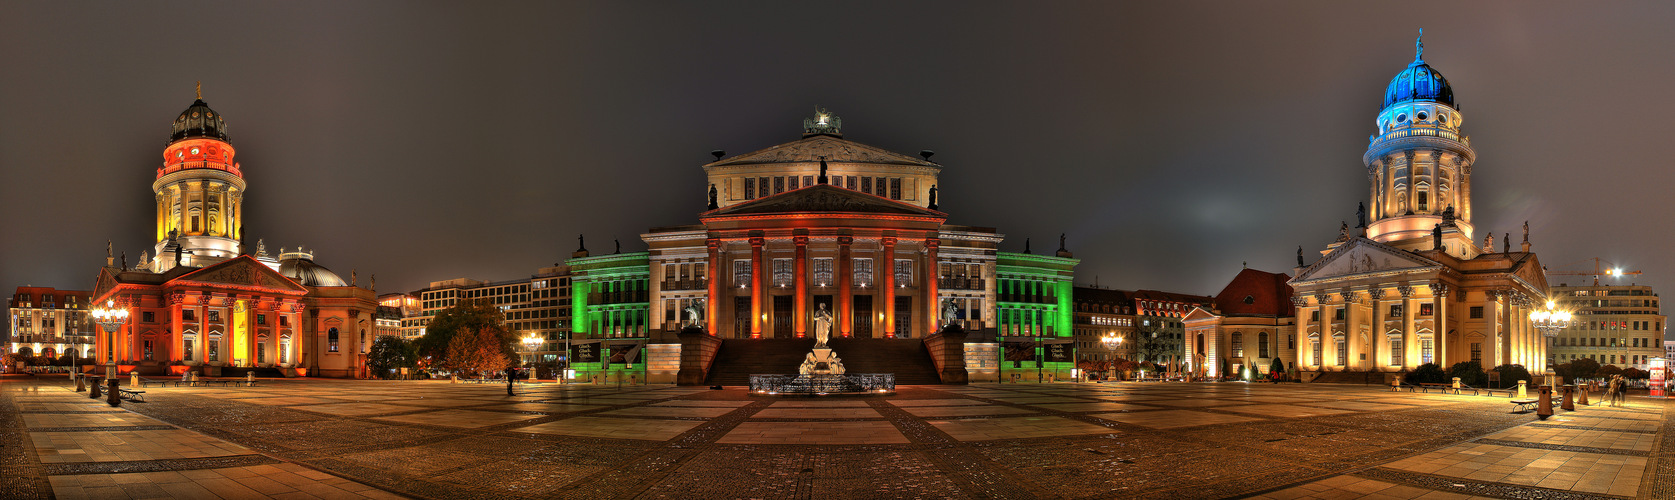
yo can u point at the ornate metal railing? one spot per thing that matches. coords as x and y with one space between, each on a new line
823 384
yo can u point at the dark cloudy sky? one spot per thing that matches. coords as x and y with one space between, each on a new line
1171 140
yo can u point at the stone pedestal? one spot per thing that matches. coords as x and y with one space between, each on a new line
947 349
821 361
697 353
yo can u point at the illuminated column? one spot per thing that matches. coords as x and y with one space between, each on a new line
931 305
1439 316
800 320
1352 331
714 265
162 215
1410 336
1377 343
757 291
1492 313
846 282
888 290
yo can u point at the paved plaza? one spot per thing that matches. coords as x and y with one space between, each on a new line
372 439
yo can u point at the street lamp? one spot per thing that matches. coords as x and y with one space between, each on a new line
1111 342
532 342
1549 321
110 319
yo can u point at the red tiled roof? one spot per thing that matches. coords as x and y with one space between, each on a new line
1269 293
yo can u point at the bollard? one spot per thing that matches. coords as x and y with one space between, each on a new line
1456 385
94 392
113 396
250 378
134 378
1569 403
81 382
1544 403
455 378
1522 392
1395 384
1583 398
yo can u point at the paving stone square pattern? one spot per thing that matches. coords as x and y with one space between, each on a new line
314 438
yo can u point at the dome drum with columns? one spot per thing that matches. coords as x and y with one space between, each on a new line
199 191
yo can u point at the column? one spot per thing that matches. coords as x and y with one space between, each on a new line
1410 336
931 305
714 266
846 281
1491 315
887 267
1378 355
757 291
1439 317
800 323
1351 333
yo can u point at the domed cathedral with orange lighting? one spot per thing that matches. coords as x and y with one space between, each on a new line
824 236
202 301
1410 283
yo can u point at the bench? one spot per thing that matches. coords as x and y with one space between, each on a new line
1524 405
1506 392
135 396
1443 387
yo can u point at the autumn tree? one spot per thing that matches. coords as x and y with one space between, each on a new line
479 351
471 316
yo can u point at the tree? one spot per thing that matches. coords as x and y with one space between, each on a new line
1151 343
1227 369
1470 373
1608 371
1636 373
464 316
1428 373
1511 374
389 353
1583 368
1278 368
477 352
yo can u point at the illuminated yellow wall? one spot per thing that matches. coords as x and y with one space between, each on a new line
241 332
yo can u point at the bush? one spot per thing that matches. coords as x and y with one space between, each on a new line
1583 368
1511 374
1428 373
1470 372
1636 373
1608 371
1278 369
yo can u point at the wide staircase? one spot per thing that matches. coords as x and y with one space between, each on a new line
738 359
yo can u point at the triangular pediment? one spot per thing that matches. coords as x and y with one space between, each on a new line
107 281
823 198
813 148
242 271
1361 256
1531 272
1198 313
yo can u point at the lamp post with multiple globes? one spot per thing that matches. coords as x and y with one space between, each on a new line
110 319
1549 321
1111 342
532 342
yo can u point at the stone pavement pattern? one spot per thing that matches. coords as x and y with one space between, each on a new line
356 439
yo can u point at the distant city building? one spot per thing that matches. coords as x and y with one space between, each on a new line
406 306
1250 325
1614 325
1161 329
43 321
1408 282
1101 313
537 306
206 302
1669 350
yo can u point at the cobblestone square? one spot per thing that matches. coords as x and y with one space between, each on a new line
382 439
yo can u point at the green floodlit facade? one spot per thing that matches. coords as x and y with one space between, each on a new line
610 300
1033 313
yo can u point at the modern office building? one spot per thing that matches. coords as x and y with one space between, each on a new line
1612 324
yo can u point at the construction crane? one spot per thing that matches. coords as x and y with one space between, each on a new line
1601 267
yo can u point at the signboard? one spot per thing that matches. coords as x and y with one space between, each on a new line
624 353
1060 353
584 353
1019 351
1660 377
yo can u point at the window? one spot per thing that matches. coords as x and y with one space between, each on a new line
1290 341
822 272
1315 344
284 349
1477 312
1425 351
261 319
895 188
1238 345
1395 310
188 315
186 348
331 340
904 273
1250 300
1314 315
1425 309
148 317
880 184
779 185
782 272
863 272
1395 351
741 273
214 348
1262 344
849 183
793 183
1343 353
148 351
1477 352
1338 313
866 185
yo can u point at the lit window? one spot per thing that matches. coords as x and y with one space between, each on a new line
863 272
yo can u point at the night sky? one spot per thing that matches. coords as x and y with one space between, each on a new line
1171 140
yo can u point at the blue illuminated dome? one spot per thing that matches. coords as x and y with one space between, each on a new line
1418 82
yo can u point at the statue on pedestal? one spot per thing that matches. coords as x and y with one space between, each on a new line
822 326
695 314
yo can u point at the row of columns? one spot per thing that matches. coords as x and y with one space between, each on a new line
883 271
174 208
1375 345
1384 179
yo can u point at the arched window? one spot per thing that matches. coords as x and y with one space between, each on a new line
1238 340
331 340
1262 344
